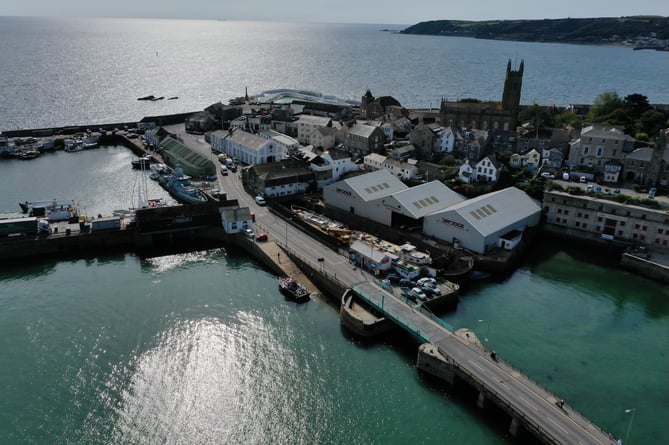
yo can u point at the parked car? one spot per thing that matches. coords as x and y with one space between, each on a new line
261 236
640 251
405 282
224 170
548 175
260 201
417 294
431 290
424 280
652 192
249 233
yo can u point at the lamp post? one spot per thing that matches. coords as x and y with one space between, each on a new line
487 334
629 427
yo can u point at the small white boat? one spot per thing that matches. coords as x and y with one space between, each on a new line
74 145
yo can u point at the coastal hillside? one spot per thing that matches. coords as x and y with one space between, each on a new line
642 31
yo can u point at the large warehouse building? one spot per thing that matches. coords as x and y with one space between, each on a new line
496 219
363 195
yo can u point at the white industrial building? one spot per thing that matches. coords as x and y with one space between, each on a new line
363 195
496 219
408 207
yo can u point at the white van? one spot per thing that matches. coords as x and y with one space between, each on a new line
224 170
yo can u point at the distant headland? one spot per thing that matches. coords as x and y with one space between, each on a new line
639 32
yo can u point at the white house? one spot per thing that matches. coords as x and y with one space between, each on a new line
330 166
323 137
467 172
374 161
236 219
488 169
286 143
307 124
444 140
402 169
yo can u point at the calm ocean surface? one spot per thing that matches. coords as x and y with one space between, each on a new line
201 347
63 71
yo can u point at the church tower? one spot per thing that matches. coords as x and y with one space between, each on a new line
512 86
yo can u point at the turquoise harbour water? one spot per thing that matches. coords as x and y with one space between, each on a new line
202 348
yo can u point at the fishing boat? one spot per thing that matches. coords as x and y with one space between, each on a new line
158 170
293 290
73 145
180 187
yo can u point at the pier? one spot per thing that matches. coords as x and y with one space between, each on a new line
447 355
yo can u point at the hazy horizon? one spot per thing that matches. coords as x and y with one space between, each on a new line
343 11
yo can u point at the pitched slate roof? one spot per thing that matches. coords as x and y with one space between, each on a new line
247 140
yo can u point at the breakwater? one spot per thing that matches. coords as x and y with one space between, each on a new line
159 120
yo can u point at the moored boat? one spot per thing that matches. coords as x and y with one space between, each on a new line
293 290
158 170
73 145
180 187
142 163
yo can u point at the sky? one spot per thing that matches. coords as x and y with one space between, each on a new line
404 12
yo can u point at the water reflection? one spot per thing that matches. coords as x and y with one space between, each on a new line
210 382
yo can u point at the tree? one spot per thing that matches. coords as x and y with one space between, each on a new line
635 105
651 122
567 118
536 115
605 105
448 161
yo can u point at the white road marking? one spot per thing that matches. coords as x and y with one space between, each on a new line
556 424
528 403
477 365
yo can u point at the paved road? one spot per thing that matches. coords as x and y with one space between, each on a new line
527 400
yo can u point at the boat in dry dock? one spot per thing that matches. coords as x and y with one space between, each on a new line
179 186
293 290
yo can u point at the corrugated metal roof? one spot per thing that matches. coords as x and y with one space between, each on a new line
190 161
426 198
494 211
375 185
